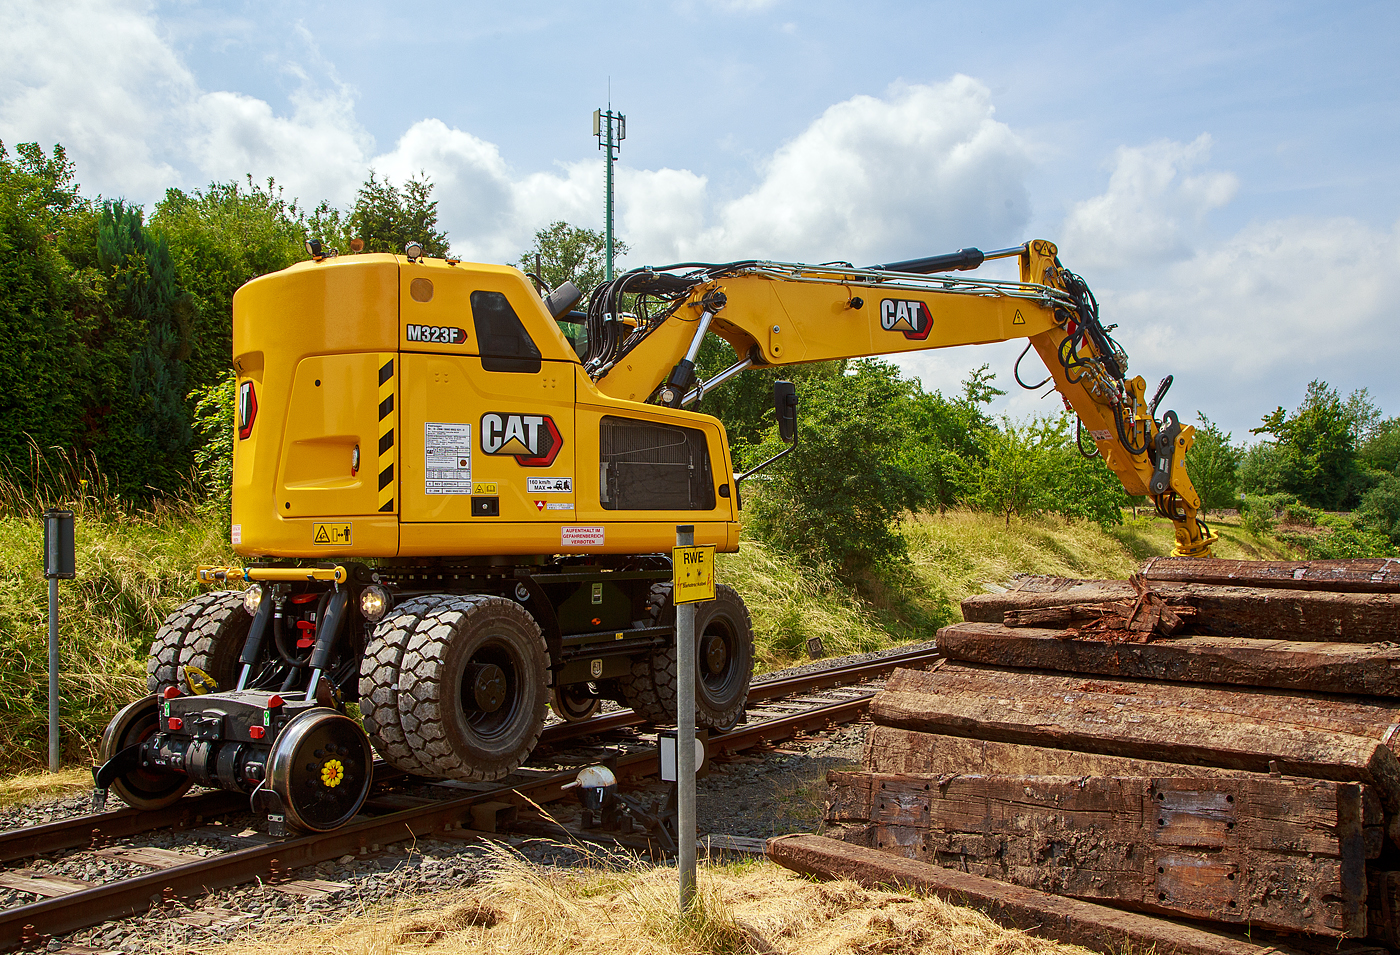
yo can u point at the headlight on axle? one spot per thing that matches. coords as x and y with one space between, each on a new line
252 599
374 602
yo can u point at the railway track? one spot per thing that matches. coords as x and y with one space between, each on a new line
779 709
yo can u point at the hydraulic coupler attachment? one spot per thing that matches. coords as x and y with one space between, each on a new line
302 763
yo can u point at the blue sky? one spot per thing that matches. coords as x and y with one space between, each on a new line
1221 174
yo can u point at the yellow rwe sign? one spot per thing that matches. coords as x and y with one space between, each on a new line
694 569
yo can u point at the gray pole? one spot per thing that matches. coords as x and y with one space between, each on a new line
53 674
685 736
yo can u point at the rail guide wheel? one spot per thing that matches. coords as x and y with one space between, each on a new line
139 786
576 702
320 768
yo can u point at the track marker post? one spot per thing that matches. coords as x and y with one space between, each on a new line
59 564
693 574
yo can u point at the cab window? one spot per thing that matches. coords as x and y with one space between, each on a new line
501 338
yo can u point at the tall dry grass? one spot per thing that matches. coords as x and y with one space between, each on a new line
748 909
790 603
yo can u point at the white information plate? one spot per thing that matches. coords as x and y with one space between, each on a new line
447 458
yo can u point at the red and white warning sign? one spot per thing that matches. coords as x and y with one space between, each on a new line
571 535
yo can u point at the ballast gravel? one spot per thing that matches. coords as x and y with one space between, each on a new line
756 794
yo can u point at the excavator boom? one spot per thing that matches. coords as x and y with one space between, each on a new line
775 314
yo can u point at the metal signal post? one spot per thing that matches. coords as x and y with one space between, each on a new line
59 563
610 129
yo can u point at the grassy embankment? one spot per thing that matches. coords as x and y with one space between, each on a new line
133 568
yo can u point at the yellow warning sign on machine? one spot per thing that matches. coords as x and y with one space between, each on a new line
334 535
694 569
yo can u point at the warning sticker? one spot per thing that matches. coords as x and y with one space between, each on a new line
1019 319
447 458
334 535
1100 435
572 536
560 506
490 487
237 534
550 485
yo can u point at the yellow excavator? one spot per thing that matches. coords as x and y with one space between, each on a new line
456 495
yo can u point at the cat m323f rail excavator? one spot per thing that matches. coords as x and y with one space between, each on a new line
454 514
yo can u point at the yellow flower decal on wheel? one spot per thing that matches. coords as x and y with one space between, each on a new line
332 773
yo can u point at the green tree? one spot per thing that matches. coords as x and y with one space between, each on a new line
744 403
1261 469
141 277
569 253
1380 508
835 500
51 312
215 408
387 218
1018 476
1317 448
384 217
945 438
220 238
1083 488
1380 451
1213 465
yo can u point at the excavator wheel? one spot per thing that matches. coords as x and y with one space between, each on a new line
379 680
723 665
207 632
575 703
473 687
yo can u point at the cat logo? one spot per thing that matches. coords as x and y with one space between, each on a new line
911 318
532 439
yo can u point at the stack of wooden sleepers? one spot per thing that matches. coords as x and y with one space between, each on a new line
1212 740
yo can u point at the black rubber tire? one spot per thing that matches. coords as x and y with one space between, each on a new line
208 632
650 689
379 681
448 736
573 703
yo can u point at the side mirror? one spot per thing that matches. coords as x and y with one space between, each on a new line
785 407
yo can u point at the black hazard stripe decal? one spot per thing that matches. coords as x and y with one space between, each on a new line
386 434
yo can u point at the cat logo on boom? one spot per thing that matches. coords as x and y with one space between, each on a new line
911 318
532 439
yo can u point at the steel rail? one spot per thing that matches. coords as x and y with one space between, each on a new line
759 692
87 830
30 924
80 831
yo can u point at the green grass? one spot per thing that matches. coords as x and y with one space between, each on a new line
132 570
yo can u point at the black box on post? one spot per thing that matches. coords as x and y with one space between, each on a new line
60 561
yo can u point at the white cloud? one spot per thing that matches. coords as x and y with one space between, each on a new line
1279 302
1153 209
924 170
1241 321
98 78
317 152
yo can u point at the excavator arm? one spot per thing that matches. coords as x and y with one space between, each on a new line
645 329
